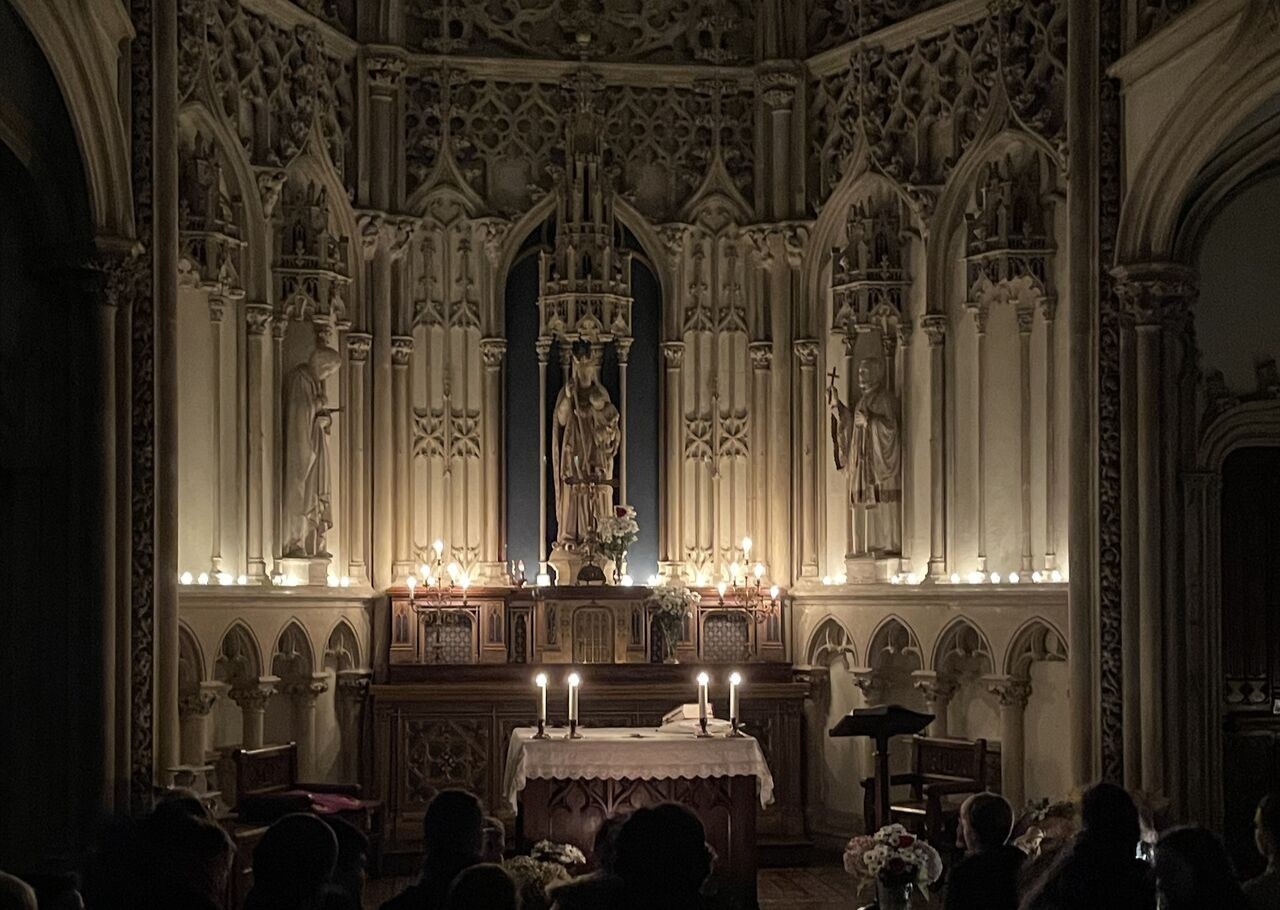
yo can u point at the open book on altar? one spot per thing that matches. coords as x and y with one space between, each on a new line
684 719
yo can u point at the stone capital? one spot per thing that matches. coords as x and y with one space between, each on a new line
760 246
370 224
807 352
358 344
401 350
777 87
252 695
492 232
1153 294
674 237
980 312
307 688
257 317
673 354
870 683
761 355
1026 316
197 701
385 69
935 689
397 231
1011 692
492 351
353 684
935 327
905 328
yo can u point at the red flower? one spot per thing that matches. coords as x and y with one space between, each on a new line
620 511
905 840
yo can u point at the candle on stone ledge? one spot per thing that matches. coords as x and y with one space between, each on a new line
703 680
735 680
541 681
574 681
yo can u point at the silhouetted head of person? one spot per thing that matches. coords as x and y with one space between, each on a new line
293 862
181 844
662 850
351 869
1266 826
453 824
605 846
1110 818
495 839
483 887
15 894
1193 871
985 821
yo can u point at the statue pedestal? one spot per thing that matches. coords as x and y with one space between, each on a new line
305 570
568 563
868 569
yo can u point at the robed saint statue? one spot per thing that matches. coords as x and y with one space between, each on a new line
307 417
585 435
868 451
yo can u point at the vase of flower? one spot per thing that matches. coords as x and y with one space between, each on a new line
895 862
615 534
669 606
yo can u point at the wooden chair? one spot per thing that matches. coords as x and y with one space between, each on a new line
941 771
267 788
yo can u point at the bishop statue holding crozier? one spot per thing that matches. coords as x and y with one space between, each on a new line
868 451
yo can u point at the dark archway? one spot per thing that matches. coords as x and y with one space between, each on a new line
51 516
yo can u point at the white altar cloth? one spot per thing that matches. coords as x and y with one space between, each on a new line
618 753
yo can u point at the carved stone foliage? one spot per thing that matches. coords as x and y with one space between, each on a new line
920 107
311 268
835 22
718 32
275 84
444 752
504 135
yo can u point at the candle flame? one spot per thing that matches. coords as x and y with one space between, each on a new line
575 679
540 680
703 679
735 679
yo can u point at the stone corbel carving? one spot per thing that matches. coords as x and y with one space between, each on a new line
371 226
271 183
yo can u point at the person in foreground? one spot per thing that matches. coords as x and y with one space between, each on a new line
663 859
1100 870
987 878
293 864
597 890
453 840
1263 892
1193 872
486 886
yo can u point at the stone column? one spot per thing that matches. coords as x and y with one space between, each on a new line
353 687
215 418
673 555
1048 311
275 439
401 354
1013 694
257 318
904 427
303 693
384 70
492 351
543 348
251 696
1155 297
193 717
1026 318
623 347
777 84
938 691
358 344
761 353
935 329
807 512
872 686
382 470
817 713
980 313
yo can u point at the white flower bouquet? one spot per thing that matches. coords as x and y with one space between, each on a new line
668 607
616 533
894 857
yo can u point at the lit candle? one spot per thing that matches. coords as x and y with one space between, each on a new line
703 680
774 591
438 546
735 680
722 587
541 681
759 571
746 548
733 572
574 681
412 583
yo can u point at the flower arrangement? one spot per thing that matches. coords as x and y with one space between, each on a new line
534 878
669 605
563 854
617 532
894 858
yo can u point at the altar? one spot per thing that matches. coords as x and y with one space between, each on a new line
565 789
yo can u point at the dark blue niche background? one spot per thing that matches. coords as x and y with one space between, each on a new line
522 410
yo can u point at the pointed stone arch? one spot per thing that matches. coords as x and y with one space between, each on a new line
342 649
963 651
191 665
239 660
1036 640
293 657
894 647
830 640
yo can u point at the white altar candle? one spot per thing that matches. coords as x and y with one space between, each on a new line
703 680
541 681
735 680
574 681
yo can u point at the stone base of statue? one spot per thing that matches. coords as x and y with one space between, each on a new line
305 570
569 561
870 568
